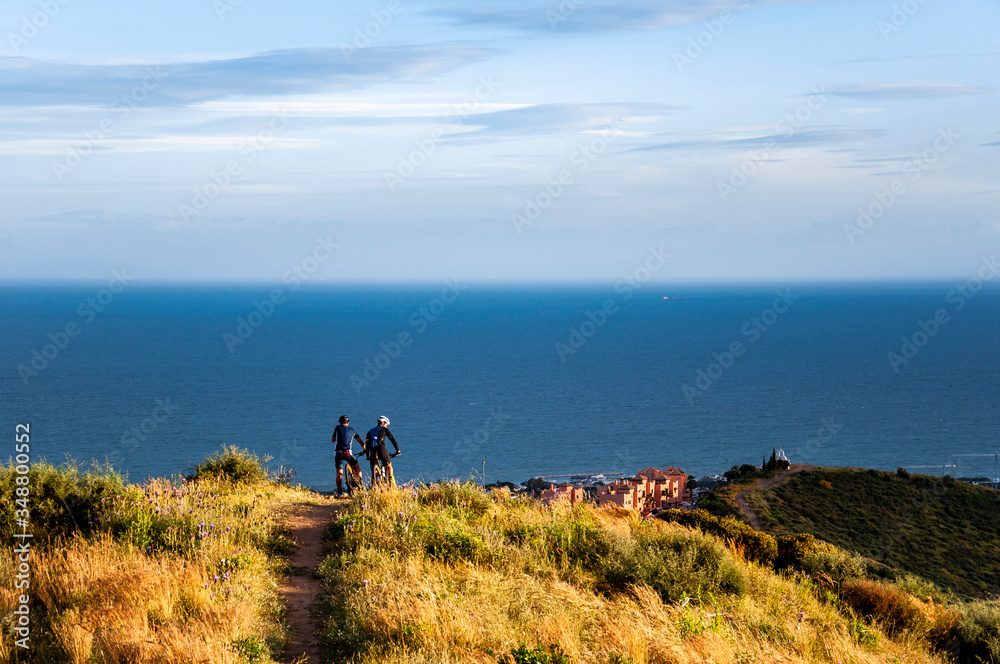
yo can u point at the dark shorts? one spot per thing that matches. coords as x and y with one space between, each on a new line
379 453
344 458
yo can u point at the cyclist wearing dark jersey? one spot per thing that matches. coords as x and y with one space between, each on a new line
377 450
343 437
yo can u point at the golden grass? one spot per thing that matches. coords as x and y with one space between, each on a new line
416 607
178 599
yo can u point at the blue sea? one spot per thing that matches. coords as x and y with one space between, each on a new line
513 381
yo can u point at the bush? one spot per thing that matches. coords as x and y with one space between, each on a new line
716 506
539 655
977 635
889 605
465 496
923 589
793 549
756 546
834 563
744 473
676 564
62 500
232 464
455 544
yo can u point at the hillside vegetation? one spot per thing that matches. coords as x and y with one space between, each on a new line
943 530
450 573
185 569
172 570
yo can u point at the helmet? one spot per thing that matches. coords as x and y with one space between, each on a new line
343 418
383 420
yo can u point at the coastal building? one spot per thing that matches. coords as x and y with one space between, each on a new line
567 491
650 489
617 495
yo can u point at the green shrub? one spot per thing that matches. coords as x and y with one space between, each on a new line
538 655
978 632
465 496
251 649
716 506
923 589
756 546
836 564
862 633
455 544
61 500
675 564
233 464
793 549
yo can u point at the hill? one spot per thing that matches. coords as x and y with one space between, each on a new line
938 528
188 569
451 573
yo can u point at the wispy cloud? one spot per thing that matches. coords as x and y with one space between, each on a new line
922 56
588 16
294 71
803 139
556 119
890 91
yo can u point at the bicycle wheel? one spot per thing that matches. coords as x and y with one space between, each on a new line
354 479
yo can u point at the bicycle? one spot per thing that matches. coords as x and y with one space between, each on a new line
355 481
378 472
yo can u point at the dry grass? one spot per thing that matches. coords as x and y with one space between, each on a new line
515 575
172 571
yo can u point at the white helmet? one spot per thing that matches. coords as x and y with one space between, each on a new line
383 420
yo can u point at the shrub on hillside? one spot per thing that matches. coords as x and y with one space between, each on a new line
466 496
716 506
744 473
676 564
835 563
61 500
539 655
792 550
923 589
233 464
890 606
968 632
756 546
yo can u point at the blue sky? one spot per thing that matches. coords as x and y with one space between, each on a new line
511 141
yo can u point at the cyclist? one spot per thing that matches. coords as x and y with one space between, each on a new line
344 436
377 450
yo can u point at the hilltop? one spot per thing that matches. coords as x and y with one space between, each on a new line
941 529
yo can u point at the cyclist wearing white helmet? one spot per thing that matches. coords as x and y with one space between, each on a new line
376 448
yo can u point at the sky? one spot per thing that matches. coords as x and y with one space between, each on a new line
523 141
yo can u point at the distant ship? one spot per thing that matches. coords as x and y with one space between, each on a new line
676 299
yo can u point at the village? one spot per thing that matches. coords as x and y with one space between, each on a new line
648 492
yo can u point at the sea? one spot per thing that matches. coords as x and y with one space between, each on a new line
506 382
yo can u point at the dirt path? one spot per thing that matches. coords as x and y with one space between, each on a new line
741 497
308 523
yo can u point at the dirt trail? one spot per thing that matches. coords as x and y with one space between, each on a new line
308 523
741 497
